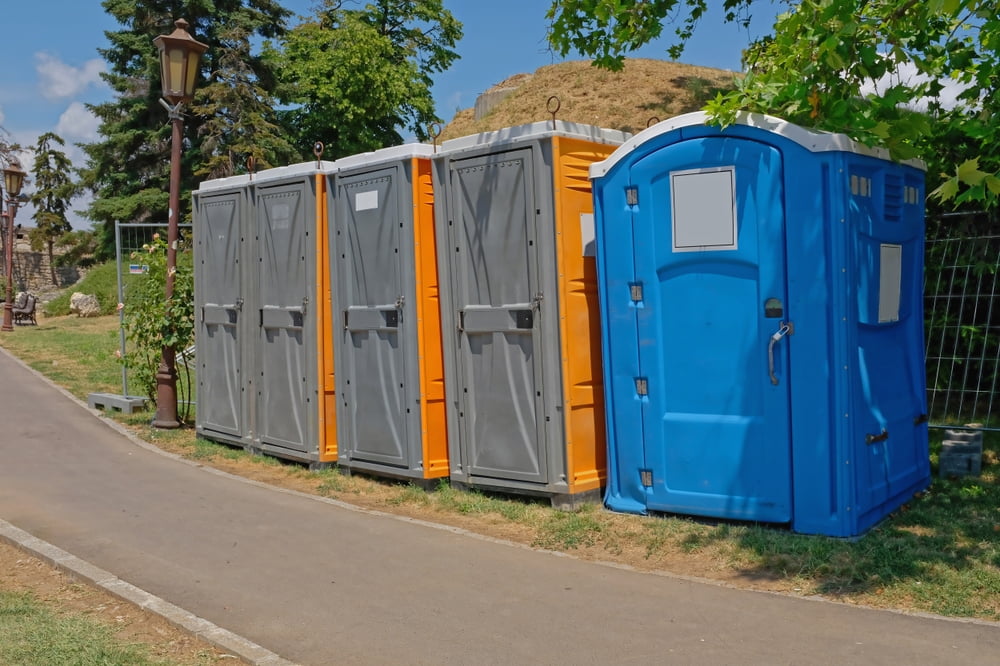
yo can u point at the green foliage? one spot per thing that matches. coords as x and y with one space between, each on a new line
607 30
150 321
240 131
128 169
101 281
876 71
356 77
78 247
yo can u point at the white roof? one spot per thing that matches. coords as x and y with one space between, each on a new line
813 140
224 183
391 154
538 130
302 169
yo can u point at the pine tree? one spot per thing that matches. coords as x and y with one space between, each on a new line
128 169
240 129
54 189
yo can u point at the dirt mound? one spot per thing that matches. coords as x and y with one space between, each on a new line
625 100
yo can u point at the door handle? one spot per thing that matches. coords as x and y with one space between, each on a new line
785 328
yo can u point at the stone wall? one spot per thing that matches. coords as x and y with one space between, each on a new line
32 272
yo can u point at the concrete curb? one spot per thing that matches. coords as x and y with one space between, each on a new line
223 639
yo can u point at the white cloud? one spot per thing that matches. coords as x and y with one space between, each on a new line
77 123
59 80
907 73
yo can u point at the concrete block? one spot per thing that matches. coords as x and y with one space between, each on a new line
122 403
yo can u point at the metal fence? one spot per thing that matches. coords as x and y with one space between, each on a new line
129 239
962 324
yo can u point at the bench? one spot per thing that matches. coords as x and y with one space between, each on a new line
24 311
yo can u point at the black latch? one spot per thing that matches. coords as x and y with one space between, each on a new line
391 318
524 319
881 437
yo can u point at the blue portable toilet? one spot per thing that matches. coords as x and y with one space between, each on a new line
762 325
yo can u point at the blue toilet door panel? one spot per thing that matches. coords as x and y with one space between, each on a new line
710 253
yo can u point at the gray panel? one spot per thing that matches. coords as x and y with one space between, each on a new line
371 319
491 201
286 410
221 401
371 358
890 281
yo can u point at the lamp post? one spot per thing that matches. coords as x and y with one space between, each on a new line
13 179
179 58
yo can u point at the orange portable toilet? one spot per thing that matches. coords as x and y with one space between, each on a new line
520 316
390 379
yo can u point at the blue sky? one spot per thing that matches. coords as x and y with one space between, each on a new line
51 67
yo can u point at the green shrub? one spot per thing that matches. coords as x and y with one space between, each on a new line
101 281
150 322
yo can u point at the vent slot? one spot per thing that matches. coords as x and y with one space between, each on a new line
893 198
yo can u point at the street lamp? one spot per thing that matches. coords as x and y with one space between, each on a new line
180 54
13 179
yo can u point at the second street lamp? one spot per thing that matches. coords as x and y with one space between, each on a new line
180 54
13 179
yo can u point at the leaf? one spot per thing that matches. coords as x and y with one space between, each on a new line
968 172
992 184
947 190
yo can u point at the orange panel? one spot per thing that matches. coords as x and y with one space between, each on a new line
579 313
324 344
429 345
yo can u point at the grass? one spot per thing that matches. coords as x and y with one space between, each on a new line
940 553
32 634
101 281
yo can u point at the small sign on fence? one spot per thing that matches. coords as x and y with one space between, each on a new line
138 269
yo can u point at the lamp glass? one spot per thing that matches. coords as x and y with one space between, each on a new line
13 179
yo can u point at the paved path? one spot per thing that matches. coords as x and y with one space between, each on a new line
319 583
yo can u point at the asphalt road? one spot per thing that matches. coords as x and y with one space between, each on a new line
320 583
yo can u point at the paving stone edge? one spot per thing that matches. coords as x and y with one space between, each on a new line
81 570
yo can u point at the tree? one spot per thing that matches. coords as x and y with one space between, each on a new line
54 190
876 71
241 126
357 77
8 149
128 168
608 30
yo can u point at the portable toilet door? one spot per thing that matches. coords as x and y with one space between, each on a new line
295 402
721 251
390 376
711 389
224 362
519 310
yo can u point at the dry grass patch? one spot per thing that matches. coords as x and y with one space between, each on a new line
625 100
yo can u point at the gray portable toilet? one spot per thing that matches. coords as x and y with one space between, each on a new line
263 313
390 379
295 404
520 325
223 331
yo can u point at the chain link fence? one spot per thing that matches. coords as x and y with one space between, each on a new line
129 239
962 325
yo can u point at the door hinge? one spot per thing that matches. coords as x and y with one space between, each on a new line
646 478
632 195
641 386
